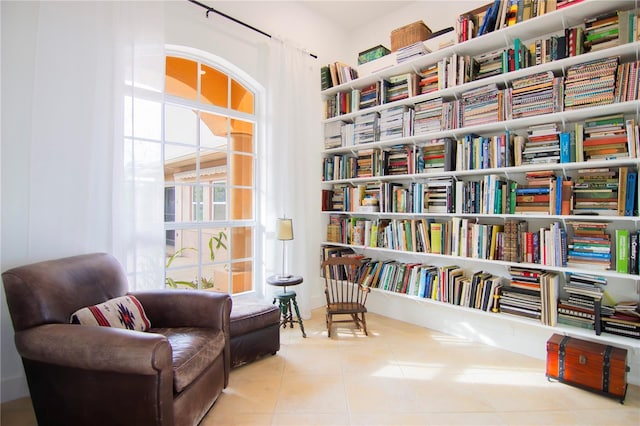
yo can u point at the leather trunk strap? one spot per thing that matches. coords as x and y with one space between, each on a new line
561 353
606 367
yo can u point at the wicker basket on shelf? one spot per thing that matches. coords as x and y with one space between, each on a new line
408 35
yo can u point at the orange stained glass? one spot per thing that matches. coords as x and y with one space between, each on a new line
214 87
242 136
241 98
181 77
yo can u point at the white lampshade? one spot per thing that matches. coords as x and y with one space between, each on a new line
284 229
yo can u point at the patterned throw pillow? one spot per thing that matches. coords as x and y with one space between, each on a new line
121 312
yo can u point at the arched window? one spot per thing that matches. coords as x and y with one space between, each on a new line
209 157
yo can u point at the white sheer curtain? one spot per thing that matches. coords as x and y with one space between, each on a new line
78 192
292 170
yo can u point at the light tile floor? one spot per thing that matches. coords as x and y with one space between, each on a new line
401 374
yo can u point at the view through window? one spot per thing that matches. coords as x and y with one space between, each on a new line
209 172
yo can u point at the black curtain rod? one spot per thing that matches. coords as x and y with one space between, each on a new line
237 21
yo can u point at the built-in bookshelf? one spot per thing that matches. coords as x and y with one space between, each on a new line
497 203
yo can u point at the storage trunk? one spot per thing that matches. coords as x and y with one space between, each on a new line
589 365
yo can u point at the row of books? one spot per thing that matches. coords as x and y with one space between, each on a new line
605 137
336 73
594 191
584 244
587 305
596 33
437 155
627 246
527 292
593 35
531 294
500 14
447 284
598 82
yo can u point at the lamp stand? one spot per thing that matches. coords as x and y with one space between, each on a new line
283 276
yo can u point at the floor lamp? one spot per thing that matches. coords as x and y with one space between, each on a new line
284 232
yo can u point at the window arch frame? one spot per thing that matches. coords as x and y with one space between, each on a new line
233 73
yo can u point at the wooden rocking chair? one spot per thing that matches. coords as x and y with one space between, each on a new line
345 296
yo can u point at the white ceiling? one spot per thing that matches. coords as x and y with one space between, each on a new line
353 13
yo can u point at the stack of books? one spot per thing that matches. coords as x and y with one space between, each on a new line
590 83
531 293
582 307
333 134
601 32
395 122
373 94
366 128
522 296
368 163
411 52
596 192
402 86
429 79
590 246
536 195
438 196
399 160
437 155
625 321
428 117
536 94
487 65
542 145
481 105
605 138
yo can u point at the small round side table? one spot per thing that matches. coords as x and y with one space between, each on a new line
286 298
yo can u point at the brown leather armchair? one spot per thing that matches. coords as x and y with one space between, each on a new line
85 375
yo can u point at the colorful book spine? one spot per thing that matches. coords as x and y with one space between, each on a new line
630 196
565 147
622 251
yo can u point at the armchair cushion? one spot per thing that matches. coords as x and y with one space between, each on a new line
121 312
194 350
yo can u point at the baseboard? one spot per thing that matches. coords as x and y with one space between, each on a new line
14 388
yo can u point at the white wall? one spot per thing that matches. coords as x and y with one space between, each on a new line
18 47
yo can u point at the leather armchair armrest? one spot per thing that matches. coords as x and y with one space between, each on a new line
96 348
186 308
190 308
